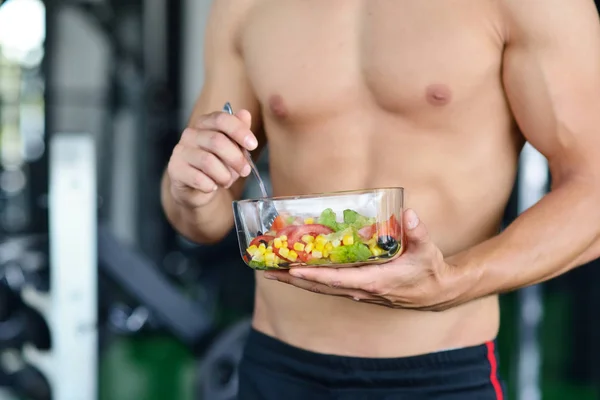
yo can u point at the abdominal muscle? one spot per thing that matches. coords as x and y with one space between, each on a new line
459 191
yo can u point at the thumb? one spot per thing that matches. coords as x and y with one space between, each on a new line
415 231
245 117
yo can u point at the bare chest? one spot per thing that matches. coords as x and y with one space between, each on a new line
307 58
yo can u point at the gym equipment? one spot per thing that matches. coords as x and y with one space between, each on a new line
19 323
187 320
12 320
217 372
26 381
73 260
533 185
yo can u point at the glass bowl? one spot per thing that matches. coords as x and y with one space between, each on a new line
339 229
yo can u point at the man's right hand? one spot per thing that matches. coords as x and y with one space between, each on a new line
208 156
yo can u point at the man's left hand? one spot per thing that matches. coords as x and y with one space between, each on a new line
419 279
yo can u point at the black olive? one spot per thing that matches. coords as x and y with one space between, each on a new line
263 241
259 233
387 243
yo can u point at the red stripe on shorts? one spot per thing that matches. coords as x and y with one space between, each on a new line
491 355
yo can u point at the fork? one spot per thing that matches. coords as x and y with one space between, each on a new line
267 210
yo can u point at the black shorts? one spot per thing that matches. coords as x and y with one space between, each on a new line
273 370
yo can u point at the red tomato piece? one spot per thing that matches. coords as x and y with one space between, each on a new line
278 224
391 227
310 229
262 238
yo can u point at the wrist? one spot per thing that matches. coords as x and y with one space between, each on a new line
466 282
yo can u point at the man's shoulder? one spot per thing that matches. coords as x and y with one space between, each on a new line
542 19
227 17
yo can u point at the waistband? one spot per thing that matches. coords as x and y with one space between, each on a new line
464 366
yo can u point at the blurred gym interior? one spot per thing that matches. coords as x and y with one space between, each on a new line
99 297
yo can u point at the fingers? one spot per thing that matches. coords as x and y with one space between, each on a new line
356 278
208 164
184 175
227 151
209 156
416 232
245 117
237 127
317 287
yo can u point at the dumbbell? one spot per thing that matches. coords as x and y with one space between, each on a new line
22 379
12 320
20 324
31 384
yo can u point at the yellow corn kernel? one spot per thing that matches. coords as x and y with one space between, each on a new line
376 250
336 243
292 256
258 257
269 250
283 238
284 244
320 246
309 221
317 254
321 239
270 259
262 248
325 253
298 246
252 249
284 252
308 248
308 239
329 247
374 237
277 243
348 240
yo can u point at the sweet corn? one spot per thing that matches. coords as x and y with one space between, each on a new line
320 246
277 243
298 246
376 250
317 254
308 239
321 239
309 221
262 248
328 247
258 257
325 253
348 240
336 243
252 249
270 259
269 250
284 244
284 252
292 256
283 238
308 248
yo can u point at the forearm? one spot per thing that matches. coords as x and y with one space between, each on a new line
559 233
207 224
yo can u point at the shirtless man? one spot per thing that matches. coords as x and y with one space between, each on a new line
437 97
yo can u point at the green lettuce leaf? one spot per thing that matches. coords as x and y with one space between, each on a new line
356 252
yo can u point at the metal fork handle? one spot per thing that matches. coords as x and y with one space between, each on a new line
227 108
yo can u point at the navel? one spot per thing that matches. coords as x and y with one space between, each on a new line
438 94
277 106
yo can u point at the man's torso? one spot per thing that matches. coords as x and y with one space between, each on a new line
374 93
